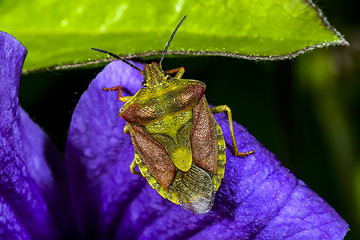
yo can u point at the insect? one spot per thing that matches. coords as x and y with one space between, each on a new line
178 145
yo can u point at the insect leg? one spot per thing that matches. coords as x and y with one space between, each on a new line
179 72
127 129
223 108
119 89
133 165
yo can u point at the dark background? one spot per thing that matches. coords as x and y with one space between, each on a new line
305 110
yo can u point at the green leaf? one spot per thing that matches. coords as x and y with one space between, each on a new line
61 33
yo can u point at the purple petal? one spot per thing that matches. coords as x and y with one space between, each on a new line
31 191
47 169
98 154
258 198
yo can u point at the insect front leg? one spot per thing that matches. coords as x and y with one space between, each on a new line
223 108
179 72
119 89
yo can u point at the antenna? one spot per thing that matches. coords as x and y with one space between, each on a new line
170 39
120 58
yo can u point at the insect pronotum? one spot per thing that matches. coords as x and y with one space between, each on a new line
178 145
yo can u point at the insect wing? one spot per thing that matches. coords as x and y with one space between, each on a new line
154 156
204 142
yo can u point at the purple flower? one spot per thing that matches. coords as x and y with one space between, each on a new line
34 199
258 198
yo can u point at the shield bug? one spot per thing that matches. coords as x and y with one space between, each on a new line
178 145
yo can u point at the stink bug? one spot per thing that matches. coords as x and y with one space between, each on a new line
178 145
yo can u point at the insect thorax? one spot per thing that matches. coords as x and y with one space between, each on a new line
149 105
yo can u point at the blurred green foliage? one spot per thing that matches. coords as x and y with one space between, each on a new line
305 110
62 32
